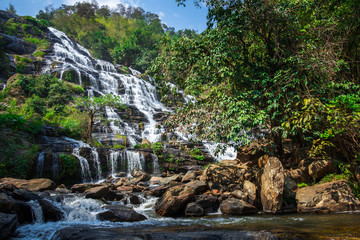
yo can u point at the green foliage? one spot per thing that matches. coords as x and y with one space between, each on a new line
301 185
17 156
39 54
258 62
69 169
157 148
170 159
118 146
196 153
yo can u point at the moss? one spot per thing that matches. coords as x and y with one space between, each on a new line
39 54
118 146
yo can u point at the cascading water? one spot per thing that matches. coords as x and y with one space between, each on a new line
40 163
105 79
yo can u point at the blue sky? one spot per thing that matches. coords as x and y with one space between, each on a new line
179 17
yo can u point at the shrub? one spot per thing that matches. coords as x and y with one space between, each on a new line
157 148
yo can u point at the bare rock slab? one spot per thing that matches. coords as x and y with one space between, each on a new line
327 197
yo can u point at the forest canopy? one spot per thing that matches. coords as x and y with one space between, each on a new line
285 69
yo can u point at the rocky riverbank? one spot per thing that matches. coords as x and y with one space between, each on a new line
233 187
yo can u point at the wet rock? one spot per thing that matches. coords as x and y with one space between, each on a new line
6 204
207 202
239 195
233 206
135 200
121 174
249 190
113 196
120 214
16 45
80 188
62 189
11 205
198 186
155 180
34 185
272 186
328 197
194 210
319 169
24 195
189 176
7 187
97 192
8 225
140 175
51 213
174 200
126 189
167 180
159 191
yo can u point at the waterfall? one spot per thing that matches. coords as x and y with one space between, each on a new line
113 161
134 160
229 154
156 166
105 79
40 164
97 164
55 165
84 165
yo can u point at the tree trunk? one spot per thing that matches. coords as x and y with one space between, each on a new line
90 126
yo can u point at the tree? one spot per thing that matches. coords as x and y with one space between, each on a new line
11 9
92 105
257 65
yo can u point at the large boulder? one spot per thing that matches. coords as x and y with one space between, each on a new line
22 209
97 192
198 186
272 186
208 202
327 197
233 206
51 213
319 169
80 188
194 210
221 176
174 200
120 213
8 224
34 185
140 175
189 176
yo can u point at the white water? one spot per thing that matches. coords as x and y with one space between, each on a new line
137 92
37 212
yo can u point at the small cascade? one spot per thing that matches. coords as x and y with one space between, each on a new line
97 165
113 161
40 164
85 168
37 212
134 160
156 166
229 154
55 165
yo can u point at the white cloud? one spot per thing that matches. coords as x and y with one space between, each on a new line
110 3
161 15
